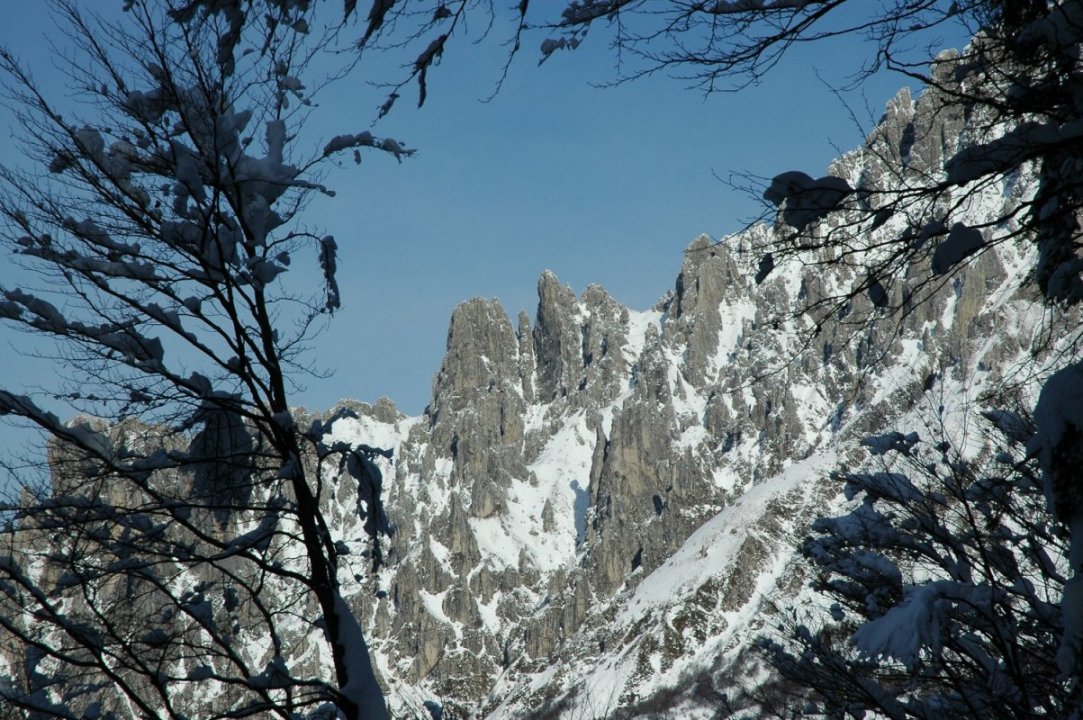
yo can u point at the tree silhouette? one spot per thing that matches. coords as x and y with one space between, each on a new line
944 582
176 561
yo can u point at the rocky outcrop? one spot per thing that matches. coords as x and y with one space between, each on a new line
557 339
564 469
914 136
556 469
595 505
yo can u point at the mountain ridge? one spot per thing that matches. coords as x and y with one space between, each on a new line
598 512
564 469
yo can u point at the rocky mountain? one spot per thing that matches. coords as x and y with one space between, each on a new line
598 511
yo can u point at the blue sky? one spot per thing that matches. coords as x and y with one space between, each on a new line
600 185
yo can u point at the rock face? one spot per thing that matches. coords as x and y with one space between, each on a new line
560 475
595 507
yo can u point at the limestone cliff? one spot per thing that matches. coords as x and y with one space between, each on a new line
597 511
598 507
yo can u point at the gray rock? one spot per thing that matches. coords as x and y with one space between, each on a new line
557 339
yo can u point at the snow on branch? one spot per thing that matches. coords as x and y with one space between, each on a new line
961 243
1027 141
916 626
1058 416
802 200
891 442
366 139
329 266
361 688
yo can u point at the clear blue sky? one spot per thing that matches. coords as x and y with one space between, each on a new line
599 185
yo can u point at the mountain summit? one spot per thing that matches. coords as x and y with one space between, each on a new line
599 511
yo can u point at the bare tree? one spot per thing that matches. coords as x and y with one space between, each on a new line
171 537
944 581
175 561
